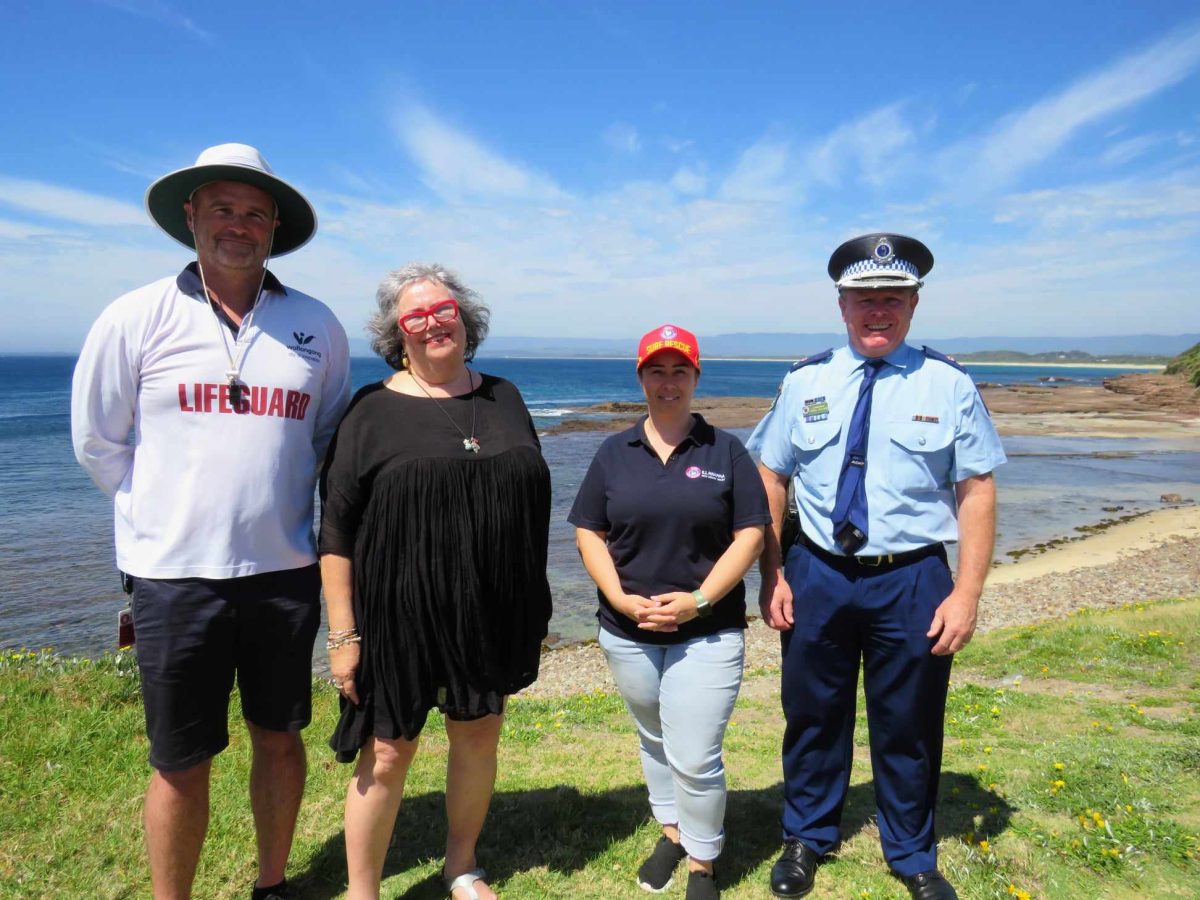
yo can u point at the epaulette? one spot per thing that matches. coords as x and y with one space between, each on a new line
810 360
803 361
955 364
942 357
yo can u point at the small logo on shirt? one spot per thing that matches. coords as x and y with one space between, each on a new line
692 472
301 347
933 420
697 472
816 410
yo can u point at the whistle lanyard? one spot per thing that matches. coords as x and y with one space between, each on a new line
241 343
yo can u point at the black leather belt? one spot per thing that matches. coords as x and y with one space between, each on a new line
873 563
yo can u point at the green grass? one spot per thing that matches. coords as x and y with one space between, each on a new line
1187 364
1072 769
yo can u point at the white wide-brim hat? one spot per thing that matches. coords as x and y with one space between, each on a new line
231 162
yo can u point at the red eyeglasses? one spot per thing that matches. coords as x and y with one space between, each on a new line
441 312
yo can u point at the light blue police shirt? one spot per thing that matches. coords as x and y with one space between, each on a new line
929 430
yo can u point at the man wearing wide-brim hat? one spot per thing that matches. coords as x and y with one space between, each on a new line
233 385
890 451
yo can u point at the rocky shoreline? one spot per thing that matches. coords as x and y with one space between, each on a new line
1128 560
1132 405
1169 569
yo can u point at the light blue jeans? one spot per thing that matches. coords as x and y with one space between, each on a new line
681 697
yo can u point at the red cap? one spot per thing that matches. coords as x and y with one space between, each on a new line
668 337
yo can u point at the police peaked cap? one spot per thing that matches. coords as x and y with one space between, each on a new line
874 261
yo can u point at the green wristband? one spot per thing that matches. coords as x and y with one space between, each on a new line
703 607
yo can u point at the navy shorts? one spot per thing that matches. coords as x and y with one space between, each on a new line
195 635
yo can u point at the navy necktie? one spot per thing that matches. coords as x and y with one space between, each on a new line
850 509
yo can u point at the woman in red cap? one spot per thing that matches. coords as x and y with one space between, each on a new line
668 519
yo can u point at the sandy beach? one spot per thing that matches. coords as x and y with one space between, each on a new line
1153 556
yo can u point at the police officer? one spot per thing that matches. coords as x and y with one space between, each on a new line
890 450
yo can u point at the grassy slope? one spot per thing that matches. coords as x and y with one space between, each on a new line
1072 769
1186 363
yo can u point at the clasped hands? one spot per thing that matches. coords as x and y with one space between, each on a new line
661 612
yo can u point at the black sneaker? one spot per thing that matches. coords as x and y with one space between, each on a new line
274 892
701 886
657 872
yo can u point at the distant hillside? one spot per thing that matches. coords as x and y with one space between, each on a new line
1061 356
1187 363
785 345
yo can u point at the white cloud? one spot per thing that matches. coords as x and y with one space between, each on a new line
677 145
760 172
1125 151
965 92
1107 206
623 138
1026 138
159 11
689 180
67 204
866 148
19 231
457 165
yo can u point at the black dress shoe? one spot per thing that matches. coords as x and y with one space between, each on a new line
794 871
929 886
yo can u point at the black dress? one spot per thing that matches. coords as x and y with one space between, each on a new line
448 550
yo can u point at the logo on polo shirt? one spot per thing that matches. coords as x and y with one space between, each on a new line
697 472
301 347
692 472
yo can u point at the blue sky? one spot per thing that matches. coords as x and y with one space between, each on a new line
596 169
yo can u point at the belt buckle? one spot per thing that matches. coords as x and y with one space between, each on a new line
874 562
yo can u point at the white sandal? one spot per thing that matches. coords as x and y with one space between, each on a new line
466 881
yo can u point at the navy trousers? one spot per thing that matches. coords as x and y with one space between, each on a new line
845 614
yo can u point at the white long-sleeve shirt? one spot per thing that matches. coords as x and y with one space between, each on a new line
207 490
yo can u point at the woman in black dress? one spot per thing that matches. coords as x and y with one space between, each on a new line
435 517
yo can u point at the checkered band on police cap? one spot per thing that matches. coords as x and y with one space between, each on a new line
869 265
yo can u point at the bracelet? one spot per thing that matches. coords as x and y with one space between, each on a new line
345 632
703 607
342 639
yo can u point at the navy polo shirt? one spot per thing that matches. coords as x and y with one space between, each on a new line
668 524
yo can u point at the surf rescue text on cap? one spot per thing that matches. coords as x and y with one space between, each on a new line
668 337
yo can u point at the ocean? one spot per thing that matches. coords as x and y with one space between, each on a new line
60 587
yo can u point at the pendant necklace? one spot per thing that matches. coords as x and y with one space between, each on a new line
469 442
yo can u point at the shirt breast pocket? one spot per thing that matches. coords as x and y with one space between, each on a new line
818 460
921 455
